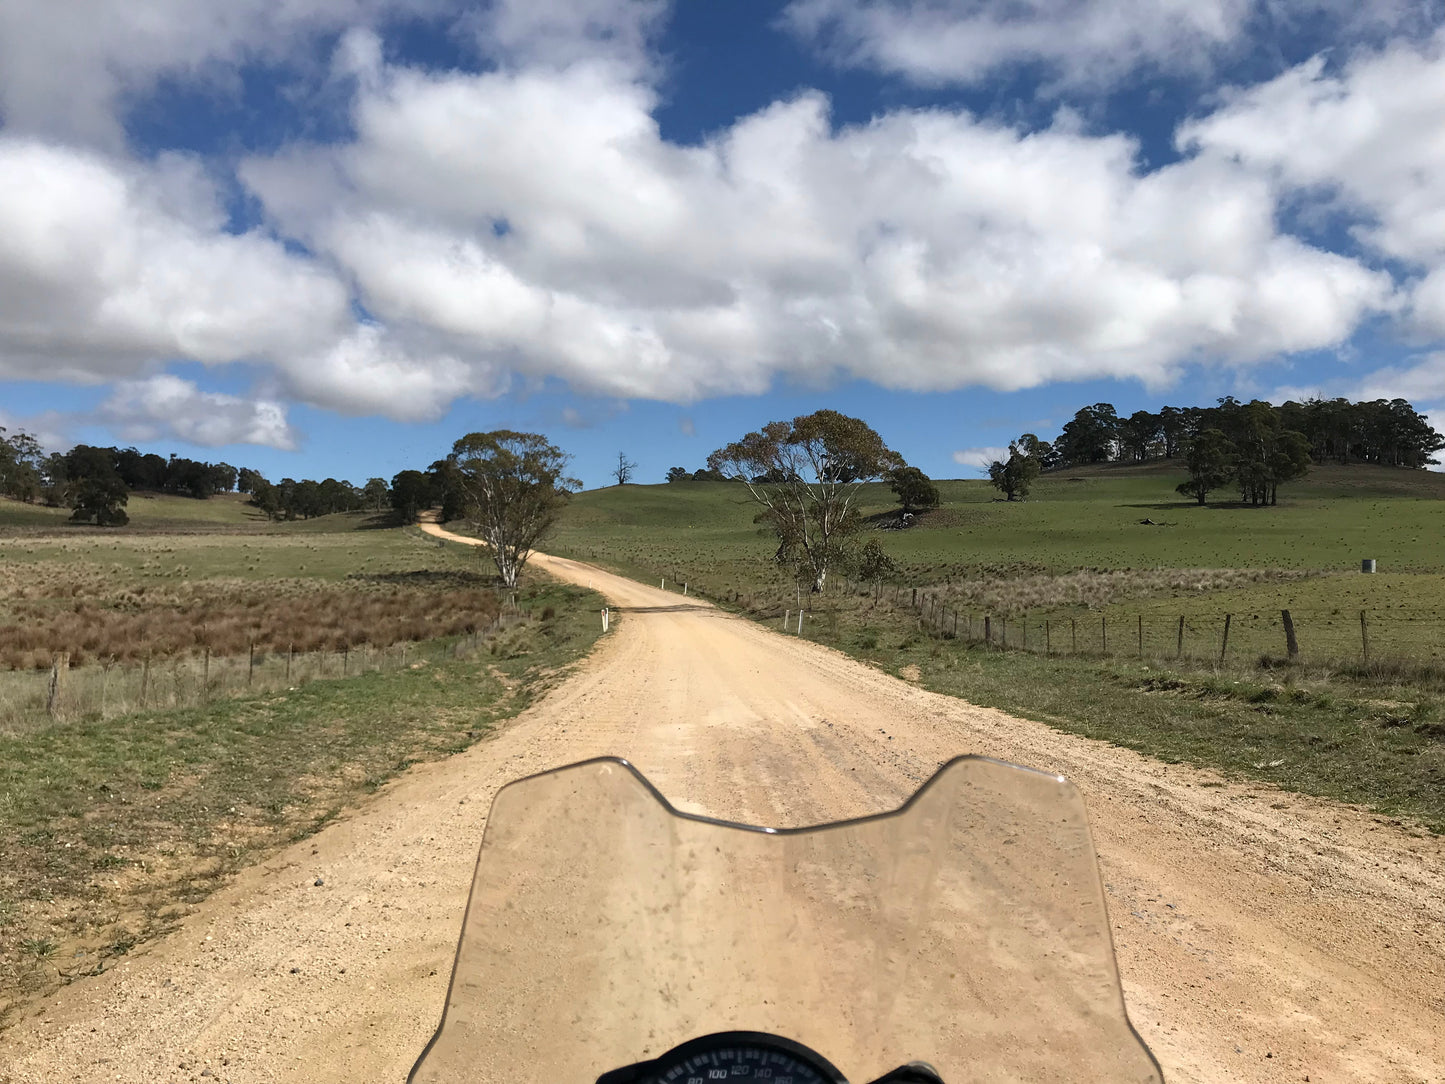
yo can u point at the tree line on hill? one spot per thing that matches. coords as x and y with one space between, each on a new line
1254 446
96 482
1388 432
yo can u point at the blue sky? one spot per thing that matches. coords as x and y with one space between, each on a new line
327 237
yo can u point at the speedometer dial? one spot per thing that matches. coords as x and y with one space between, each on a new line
733 1056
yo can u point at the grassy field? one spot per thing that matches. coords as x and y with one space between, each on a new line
124 806
152 512
1077 560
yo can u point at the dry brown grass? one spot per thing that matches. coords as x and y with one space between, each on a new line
86 612
1093 588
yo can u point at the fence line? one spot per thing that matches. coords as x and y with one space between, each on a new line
31 698
1320 634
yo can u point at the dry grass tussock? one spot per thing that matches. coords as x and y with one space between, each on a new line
96 619
1094 588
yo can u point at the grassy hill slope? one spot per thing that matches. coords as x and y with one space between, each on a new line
167 512
1089 598
1086 518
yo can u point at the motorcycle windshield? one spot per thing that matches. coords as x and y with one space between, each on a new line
966 929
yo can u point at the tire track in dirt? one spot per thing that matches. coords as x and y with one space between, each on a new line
1257 943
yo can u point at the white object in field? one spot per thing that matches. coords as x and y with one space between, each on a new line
1367 565
785 619
684 587
800 622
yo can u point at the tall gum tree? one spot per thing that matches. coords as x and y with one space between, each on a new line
514 485
806 475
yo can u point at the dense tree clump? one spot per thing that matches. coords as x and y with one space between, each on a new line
702 474
94 487
96 482
1253 446
914 489
29 473
1210 460
305 499
1014 476
22 466
1388 432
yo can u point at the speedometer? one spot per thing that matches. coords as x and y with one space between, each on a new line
744 1056
731 1056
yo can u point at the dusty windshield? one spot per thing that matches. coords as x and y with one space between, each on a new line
966 929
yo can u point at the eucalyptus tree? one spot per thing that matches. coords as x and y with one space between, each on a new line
515 485
805 475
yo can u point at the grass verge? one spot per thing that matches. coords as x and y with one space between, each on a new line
112 829
1376 744
1372 735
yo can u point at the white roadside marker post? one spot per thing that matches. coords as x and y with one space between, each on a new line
800 622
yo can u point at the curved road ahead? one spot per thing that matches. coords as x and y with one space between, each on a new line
1262 936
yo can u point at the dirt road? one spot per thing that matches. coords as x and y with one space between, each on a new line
1262 936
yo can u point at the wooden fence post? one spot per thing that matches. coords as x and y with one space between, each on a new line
1224 642
290 651
1074 635
1003 630
1141 636
58 666
987 629
1026 632
1179 646
145 680
1048 640
915 598
1103 634
1364 636
251 664
1291 645
206 675
955 624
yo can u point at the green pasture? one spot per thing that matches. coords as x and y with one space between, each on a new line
160 557
1084 519
161 512
1328 724
1077 519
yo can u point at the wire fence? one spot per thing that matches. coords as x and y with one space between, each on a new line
1307 635
31 698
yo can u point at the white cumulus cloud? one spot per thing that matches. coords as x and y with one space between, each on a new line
167 406
530 223
537 220
105 265
1078 42
979 458
1369 139
66 71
